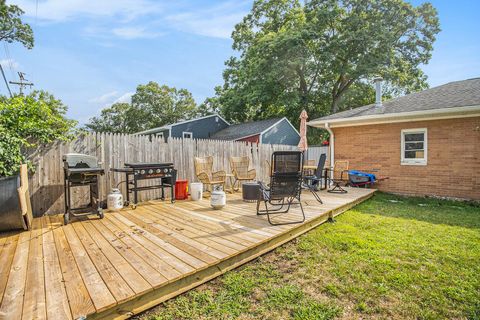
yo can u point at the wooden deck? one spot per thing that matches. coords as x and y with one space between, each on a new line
133 260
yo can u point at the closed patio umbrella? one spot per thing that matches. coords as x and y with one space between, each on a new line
302 144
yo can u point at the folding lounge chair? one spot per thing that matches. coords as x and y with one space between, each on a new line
285 186
313 181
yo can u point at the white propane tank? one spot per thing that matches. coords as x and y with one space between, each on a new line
218 199
115 200
196 191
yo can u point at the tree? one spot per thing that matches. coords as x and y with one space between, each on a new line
27 122
159 105
152 106
119 118
12 29
320 55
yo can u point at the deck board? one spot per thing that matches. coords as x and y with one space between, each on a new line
34 306
134 259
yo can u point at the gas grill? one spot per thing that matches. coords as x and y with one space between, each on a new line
81 170
135 172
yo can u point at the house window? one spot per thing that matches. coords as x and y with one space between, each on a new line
187 135
414 147
159 135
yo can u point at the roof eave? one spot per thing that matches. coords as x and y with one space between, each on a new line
433 114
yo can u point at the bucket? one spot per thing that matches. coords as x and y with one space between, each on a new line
196 191
181 189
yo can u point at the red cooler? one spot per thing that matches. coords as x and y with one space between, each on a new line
181 189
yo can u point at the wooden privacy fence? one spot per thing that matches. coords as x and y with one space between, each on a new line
113 150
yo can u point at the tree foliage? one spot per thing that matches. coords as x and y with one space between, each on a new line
152 105
26 122
12 29
160 105
118 118
320 55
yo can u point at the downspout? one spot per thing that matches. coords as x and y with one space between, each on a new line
332 147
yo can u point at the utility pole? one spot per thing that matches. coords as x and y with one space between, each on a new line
5 79
22 83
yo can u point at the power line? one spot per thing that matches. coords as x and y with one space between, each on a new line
9 59
5 79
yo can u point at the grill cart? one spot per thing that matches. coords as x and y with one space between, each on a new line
81 170
135 172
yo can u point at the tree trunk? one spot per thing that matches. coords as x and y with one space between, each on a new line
338 92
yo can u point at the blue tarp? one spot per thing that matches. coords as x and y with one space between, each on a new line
363 174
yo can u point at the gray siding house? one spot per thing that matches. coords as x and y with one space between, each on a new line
270 131
200 128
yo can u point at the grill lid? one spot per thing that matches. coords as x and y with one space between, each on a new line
78 160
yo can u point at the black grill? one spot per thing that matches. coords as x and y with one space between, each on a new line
81 170
134 172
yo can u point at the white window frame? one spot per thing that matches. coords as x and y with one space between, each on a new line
187 132
159 135
417 161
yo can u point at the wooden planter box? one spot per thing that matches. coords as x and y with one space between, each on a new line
15 207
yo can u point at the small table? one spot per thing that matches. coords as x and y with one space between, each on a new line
250 191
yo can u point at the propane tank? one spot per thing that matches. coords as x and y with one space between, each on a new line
115 200
218 199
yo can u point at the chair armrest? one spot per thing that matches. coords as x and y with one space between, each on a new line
263 186
219 175
342 172
203 177
252 173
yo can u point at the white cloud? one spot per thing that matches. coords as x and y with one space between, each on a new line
63 10
132 19
10 63
134 33
105 98
217 21
126 97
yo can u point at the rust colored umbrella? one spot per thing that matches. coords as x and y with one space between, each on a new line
302 145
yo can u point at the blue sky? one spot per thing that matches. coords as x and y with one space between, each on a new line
93 53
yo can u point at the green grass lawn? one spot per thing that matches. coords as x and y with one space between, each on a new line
388 258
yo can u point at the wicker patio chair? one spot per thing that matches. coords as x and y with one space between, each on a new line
205 174
285 186
340 176
240 171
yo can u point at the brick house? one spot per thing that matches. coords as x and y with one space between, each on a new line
427 143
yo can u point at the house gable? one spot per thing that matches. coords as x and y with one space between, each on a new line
201 128
281 132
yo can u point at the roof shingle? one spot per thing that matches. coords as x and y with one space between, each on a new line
454 94
242 130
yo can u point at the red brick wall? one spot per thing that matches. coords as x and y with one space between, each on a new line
252 139
453 163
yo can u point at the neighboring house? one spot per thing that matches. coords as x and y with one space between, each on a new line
270 131
200 128
428 143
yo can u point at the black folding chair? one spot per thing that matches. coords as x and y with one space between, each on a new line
312 182
285 186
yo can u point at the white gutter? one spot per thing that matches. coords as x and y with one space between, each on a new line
423 115
332 147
